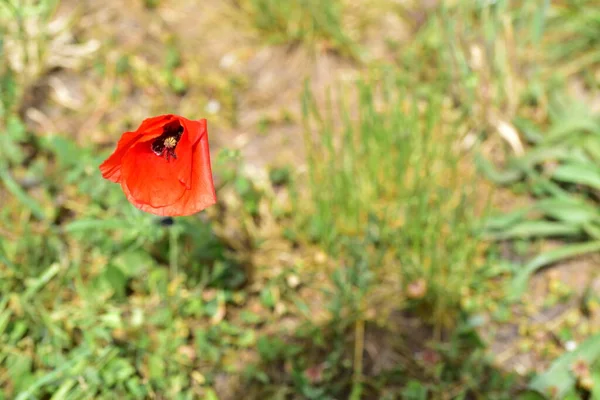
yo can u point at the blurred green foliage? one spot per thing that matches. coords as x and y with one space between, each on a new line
307 22
562 173
353 186
371 275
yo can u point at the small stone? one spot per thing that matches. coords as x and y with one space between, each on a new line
293 281
213 107
228 61
570 345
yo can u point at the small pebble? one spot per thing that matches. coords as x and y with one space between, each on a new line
570 345
213 107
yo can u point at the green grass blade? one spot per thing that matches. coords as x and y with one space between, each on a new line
530 229
518 285
95 224
588 175
498 177
568 210
50 377
40 282
13 187
3 257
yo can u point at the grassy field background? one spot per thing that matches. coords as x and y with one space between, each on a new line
409 200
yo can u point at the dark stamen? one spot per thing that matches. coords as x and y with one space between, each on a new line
158 147
166 143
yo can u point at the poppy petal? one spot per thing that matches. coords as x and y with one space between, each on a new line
195 129
153 180
184 150
156 181
151 126
111 167
148 130
201 194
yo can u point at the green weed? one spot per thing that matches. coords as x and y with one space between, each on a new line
379 172
309 22
573 39
562 174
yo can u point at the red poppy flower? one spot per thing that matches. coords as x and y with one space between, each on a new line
164 166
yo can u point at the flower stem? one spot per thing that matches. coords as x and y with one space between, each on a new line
173 252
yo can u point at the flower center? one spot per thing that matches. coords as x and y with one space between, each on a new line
165 144
170 142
